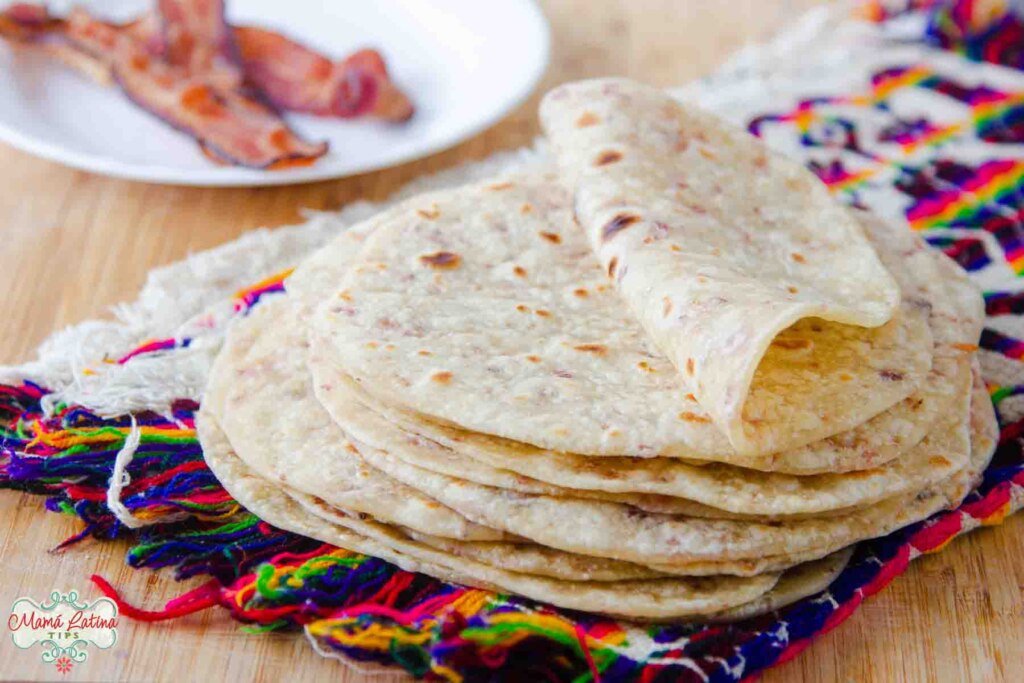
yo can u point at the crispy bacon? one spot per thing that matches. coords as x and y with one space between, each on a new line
197 38
226 124
296 78
148 31
23 22
220 84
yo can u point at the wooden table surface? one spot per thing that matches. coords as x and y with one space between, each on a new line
74 243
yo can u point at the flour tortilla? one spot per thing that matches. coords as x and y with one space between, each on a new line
722 487
261 393
538 560
656 599
515 332
617 531
796 584
954 314
723 248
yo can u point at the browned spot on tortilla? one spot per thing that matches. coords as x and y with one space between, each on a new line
612 266
519 271
938 461
543 313
344 295
581 292
617 225
614 433
687 416
552 237
666 306
970 348
533 359
792 344
689 365
682 141
443 377
708 154
599 349
792 290
799 258
645 366
586 119
691 397
675 247
372 345
423 352
351 449
500 186
523 308
444 260
390 347
845 377
526 208
431 215
760 161
891 375
608 157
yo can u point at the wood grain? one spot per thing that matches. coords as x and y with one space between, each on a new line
74 243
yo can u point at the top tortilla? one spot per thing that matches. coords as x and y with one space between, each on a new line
719 245
485 309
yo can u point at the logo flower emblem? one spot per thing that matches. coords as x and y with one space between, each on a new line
63 665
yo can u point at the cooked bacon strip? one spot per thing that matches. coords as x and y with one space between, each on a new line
227 124
148 31
198 39
82 62
296 78
219 84
24 22
290 75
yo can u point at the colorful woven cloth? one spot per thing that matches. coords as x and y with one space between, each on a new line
952 166
986 30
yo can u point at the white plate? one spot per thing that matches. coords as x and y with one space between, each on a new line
464 63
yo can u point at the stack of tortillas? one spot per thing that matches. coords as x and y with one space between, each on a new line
673 379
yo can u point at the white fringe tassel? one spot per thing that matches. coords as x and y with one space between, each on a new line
120 478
